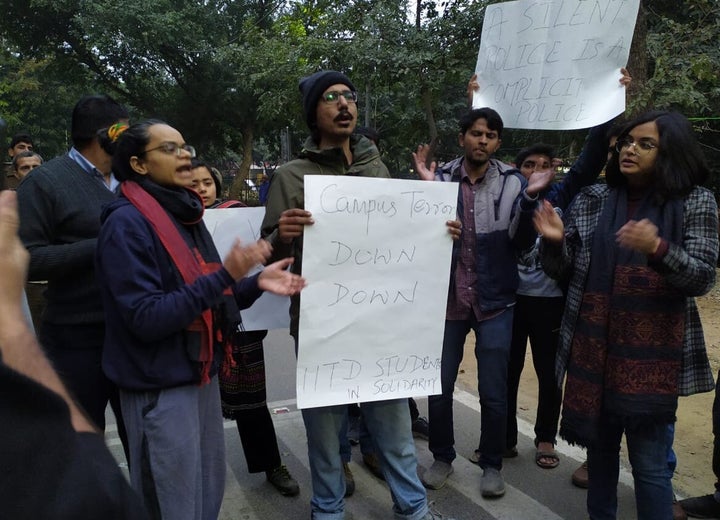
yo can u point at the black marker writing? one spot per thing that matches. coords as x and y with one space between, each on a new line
362 256
346 295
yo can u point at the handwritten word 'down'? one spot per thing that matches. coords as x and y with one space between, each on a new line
346 295
362 256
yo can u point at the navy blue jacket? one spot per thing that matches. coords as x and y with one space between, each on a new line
148 306
503 225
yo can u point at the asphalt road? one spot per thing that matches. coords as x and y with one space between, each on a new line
532 493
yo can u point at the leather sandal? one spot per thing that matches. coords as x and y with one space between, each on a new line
547 459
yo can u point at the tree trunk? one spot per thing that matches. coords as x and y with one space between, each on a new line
432 126
238 184
637 62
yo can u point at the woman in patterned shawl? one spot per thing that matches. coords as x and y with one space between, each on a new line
635 251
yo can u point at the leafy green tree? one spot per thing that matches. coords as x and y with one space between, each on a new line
36 98
196 64
226 72
683 63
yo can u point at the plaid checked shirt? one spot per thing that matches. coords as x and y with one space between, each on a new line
689 267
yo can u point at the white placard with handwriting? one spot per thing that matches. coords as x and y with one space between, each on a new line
555 65
377 261
226 225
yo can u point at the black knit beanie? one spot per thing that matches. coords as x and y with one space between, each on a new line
313 86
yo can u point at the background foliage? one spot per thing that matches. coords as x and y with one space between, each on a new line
226 72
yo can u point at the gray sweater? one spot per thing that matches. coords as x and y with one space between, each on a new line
60 205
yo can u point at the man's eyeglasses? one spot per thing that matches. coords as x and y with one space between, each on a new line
334 96
174 148
642 146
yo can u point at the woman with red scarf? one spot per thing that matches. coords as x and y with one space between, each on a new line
171 305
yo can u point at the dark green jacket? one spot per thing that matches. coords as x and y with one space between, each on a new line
287 191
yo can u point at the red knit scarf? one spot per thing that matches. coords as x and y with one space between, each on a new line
190 264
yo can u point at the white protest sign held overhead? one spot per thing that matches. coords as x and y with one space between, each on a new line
555 65
377 261
226 225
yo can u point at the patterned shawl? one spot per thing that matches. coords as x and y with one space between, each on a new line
626 349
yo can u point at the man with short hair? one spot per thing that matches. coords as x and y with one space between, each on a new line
329 105
495 206
538 156
19 143
60 205
24 162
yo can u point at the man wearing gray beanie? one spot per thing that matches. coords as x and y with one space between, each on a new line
330 109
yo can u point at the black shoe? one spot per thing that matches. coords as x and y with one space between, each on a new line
281 479
701 507
421 428
353 433
349 480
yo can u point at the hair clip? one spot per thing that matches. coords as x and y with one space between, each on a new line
116 130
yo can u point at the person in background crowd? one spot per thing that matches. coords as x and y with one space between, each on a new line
60 205
24 162
708 506
242 383
19 143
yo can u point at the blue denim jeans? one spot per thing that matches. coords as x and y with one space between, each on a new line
648 453
492 351
389 425
671 457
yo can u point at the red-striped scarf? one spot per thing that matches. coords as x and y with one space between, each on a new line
189 262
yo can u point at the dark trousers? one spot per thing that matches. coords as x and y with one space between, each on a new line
492 349
539 319
76 354
716 435
259 442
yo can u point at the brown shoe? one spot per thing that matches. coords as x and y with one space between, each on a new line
349 480
373 464
678 512
580 476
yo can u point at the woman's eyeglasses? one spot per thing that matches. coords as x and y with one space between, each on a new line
641 147
174 148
